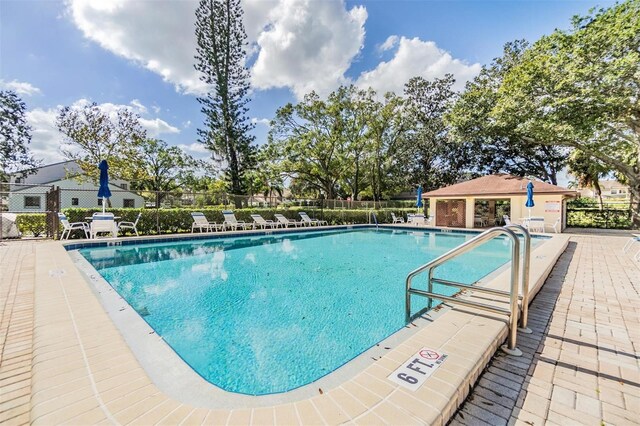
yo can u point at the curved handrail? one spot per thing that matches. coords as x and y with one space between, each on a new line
464 248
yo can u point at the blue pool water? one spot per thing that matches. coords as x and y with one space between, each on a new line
266 314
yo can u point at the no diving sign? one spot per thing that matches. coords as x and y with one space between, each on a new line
414 372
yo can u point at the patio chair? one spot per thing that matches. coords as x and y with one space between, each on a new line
263 223
311 222
556 225
430 219
285 221
200 221
130 225
103 223
233 223
535 224
396 219
506 219
68 227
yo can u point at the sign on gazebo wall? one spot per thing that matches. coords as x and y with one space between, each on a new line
552 206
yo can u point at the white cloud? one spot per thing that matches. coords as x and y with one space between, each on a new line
20 87
308 46
261 121
196 149
415 57
389 43
46 140
300 44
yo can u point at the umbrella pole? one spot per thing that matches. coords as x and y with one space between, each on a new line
104 200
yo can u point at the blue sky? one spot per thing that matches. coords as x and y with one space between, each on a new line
139 53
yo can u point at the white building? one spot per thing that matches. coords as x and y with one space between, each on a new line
610 189
28 194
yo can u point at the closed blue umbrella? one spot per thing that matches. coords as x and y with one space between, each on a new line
529 202
419 197
104 192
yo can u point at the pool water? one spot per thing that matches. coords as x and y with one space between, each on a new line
267 314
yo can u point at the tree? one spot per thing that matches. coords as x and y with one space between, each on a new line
588 172
433 159
164 168
220 60
306 141
387 128
92 135
581 89
15 136
497 147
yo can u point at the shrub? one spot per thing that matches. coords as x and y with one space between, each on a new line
34 224
178 220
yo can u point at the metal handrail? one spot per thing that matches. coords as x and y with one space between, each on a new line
526 263
464 248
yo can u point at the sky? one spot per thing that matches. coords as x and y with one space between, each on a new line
139 53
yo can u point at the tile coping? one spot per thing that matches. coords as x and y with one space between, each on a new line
455 331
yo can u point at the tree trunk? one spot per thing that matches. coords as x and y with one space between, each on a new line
634 189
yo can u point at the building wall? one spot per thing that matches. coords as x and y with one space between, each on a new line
543 205
73 194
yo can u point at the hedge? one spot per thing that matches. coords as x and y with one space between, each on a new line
173 221
34 224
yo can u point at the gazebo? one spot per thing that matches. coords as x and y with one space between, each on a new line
482 202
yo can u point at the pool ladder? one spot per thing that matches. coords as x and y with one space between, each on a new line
518 302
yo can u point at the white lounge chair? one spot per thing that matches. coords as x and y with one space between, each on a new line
233 223
396 219
506 219
68 227
635 238
263 223
200 221
311 222
130 225
285 221
103 223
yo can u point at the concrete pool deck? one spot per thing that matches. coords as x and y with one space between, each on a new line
70 363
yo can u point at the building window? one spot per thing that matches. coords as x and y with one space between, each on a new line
18 180
75 202
99 201
32 202
614 191
128 203
124 186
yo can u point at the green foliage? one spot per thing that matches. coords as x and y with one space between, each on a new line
581 89
15 135
92 135
496 146
34 224
220 60
173 221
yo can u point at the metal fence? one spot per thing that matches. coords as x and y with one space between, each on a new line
30 211
611 215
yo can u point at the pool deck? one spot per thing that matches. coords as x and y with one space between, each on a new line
64 361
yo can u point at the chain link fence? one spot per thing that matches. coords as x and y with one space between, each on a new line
31 211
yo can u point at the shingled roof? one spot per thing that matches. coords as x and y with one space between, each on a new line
500 184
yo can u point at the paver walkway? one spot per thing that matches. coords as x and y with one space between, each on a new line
581 365
17 265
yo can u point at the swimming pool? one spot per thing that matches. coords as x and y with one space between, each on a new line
266 314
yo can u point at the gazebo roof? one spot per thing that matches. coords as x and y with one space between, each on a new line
499 184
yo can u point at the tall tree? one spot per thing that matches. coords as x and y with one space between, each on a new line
220 60
581 89
588 172
386 131
497 146
435 161
92 134
307 142
15 136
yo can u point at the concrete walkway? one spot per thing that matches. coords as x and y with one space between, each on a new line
581 364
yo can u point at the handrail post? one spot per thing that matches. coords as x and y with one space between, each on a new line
526 264
510 347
